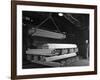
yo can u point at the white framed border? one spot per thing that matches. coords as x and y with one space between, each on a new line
35 71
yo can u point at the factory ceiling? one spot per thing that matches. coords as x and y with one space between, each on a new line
65 21
70 23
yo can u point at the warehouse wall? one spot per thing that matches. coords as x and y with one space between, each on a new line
5 40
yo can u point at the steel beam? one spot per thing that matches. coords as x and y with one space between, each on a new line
59 57
46 33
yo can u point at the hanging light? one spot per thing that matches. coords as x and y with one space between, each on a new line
60 14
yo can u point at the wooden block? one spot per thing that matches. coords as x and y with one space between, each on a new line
71 50
29 57
42 58
35 58
64 51
76 49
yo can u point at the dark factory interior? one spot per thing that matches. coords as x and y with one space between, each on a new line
74 26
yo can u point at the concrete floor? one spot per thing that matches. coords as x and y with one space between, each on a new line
79 62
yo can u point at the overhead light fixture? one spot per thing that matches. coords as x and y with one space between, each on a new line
60 14
86 41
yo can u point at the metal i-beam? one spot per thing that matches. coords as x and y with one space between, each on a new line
59 57
60 46
46 33
43 52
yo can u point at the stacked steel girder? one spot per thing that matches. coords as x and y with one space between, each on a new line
52 54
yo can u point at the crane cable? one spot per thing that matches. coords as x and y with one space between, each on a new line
52 19
49 17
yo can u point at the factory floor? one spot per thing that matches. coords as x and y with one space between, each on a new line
79 62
